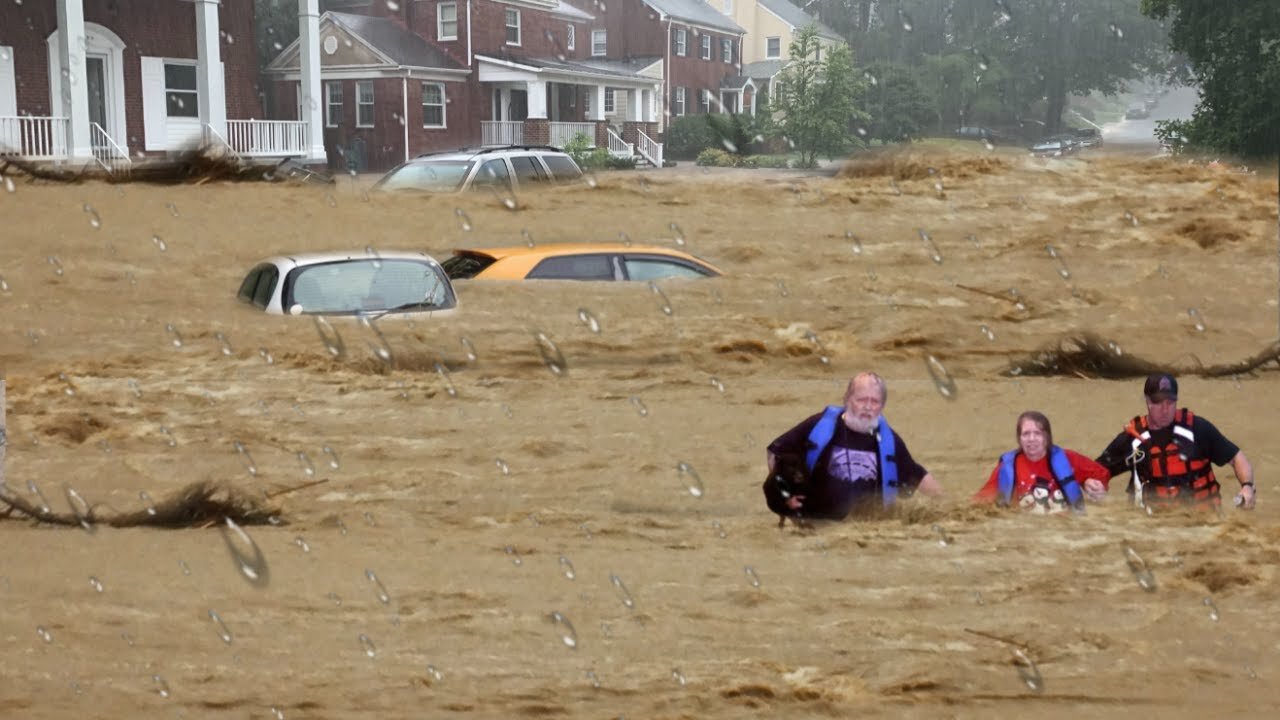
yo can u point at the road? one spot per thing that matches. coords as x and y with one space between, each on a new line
1178 104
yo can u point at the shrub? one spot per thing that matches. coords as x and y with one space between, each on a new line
772 161
689 135
715 157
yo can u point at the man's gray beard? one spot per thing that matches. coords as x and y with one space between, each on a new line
856 424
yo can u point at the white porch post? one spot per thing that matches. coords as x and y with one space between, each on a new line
311 102
597 103
537 90
504 102
554 110
74 102
635 109
213 92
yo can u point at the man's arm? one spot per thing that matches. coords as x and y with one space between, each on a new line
1116 457
929 486
1244 473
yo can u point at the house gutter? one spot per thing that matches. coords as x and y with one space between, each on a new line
404 111
468 33
666 79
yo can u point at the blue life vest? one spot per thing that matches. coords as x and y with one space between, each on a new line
1058 464
820 438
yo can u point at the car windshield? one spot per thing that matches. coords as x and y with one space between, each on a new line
368 286
429 176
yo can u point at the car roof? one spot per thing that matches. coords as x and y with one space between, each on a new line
471 154
551 249
315 258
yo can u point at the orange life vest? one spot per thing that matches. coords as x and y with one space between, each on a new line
1176 472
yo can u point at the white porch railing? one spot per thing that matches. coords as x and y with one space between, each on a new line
618 147
267 138
34 137
563 132
501 132
650 150
109 155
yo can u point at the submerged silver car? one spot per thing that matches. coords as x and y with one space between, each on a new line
368 284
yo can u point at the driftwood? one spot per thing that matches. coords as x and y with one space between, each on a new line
197 166
197 504
1089 356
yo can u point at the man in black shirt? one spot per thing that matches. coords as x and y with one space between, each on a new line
844 459
1171 451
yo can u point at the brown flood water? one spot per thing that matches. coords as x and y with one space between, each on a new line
681 606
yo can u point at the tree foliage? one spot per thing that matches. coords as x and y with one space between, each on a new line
899 108
1233 50
275 27
816 102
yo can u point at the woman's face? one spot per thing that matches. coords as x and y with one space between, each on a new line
1032 440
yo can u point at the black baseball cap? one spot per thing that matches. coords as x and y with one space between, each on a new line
1161 386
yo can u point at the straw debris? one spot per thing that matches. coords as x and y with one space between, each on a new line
195 505
1089 356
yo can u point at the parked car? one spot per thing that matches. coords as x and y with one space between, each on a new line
502 168
365 283
1136 112
577 261
979 133
1052 148
1088 137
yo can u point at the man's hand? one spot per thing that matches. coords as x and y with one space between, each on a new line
795 502
1095 489
1247 497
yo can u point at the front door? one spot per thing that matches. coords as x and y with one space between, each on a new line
96 80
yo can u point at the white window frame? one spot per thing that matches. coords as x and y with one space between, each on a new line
776 54
512 12
440 21
680 104
608 100
704 101
571 37
704 46
682 42
360 103
332 119
599 47
726 49
194 93
444 101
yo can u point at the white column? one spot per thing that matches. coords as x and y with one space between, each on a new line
597 103
311 102
213 92
537 91
74 103
554 109
504 102
635 106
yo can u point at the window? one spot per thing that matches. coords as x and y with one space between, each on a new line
681 39
528 169
651 268
573 267
562 167
599 43
181 98
447 21
705 46
704 101
513 26
726 50
677 102
432 105
773 47
259 285
333 104
608 100
571 38
364 103
493 173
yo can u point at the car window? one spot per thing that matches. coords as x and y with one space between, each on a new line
465 265
258 285
573 267
493 173
562 167
370 285
652 268
429 175
528 169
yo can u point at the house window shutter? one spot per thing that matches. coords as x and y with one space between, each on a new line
8 89
153 104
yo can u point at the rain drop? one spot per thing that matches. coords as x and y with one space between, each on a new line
1197 319
468 348
621 591
1146 579
220 626
1213 609
987 333
162 687
856 244
302 544
782 288
176 338
4 285
56 263
589 320
381 589
367 646
246 554
463 219
159 243
942 380
625 239
1063 270
943 538
676 234
308 468
147 502
931 246
44 634
95 583
665 304
81 509
95 222
719 386
1027 671
594 679
905 19
223 342
266 356
639 405
567 634
678 676
245 457
551 355
567 568
720 533
8 184
333 456
752 577
691 479
528 238
515 556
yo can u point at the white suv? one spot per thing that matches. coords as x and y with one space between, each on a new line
506 168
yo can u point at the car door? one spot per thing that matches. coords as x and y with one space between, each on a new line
493 173
580 266
528 170
658 267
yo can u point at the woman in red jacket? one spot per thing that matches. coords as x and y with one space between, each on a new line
1041 476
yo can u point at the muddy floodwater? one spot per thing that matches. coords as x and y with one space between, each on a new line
498 538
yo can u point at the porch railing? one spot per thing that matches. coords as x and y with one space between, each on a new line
501 132
34 137
267 138
619 147
650 150
563 132
109 155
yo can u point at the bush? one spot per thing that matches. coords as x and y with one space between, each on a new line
772 161
715 157
689 135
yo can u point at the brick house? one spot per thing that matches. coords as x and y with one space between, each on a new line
398 80
86 82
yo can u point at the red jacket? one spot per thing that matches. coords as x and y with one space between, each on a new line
1024 469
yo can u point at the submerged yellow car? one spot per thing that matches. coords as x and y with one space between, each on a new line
576 261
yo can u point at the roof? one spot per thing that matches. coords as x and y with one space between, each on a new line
564 9
314 258
696 12
395 41
569 248
618 69
797 18
764 69
630 66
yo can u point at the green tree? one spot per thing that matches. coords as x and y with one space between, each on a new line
897 104
816 103
275 27
1234 53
